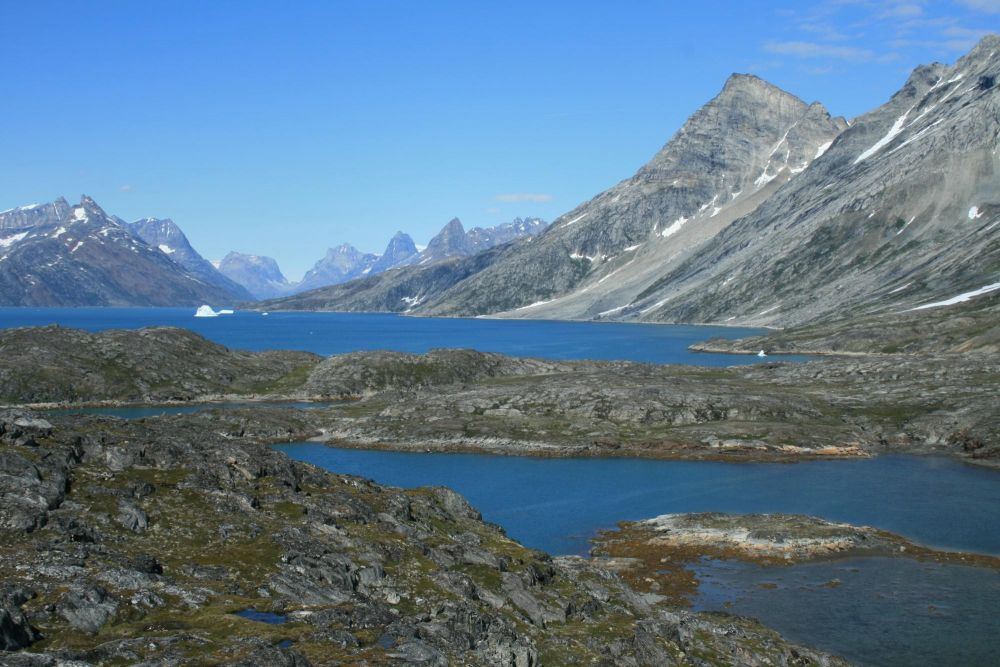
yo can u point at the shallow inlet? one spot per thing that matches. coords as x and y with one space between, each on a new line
879 611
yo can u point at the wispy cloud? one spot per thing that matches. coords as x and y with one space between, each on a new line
828 32
516 197
126 188
987 6
818 50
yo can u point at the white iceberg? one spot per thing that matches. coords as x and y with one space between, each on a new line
205 311
226 311
762 353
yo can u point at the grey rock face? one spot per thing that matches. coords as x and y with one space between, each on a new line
87 608
34 215
903 210
132 517
87 258
15 631
449 242
340 264
729 156
400 249
165 235
260 275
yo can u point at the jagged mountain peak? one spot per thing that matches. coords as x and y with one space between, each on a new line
80 256
90 207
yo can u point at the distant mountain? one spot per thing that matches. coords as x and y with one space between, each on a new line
481 238
168 237
400 290
408 278
258 274
400 249
340 264
451 241
454 241
65 255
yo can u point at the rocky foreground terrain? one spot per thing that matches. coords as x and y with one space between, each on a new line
185 540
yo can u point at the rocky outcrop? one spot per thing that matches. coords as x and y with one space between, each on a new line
55 364
836 407
363 373
658 555
252 559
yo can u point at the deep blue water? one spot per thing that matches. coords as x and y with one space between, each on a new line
885 612
332 333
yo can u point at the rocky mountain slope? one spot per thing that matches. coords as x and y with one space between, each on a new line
258 274
967 327
902 211
165 235
81 256
729 157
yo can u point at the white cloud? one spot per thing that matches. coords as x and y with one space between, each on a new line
126 188
817 50
516 197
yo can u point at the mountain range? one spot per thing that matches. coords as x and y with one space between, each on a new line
761 210
61 255
56 254
346 263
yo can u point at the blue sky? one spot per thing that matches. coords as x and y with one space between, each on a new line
282 128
